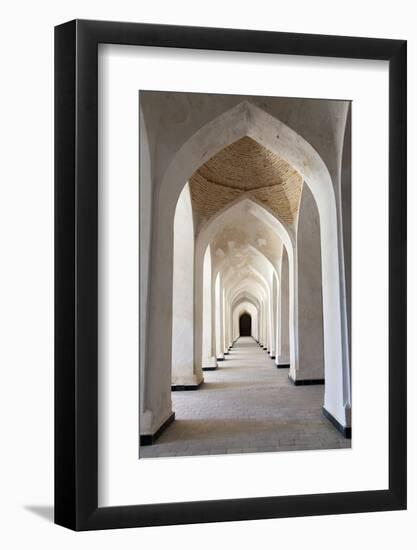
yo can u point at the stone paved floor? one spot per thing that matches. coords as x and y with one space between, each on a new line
246 405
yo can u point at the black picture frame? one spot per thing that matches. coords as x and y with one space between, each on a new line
76 272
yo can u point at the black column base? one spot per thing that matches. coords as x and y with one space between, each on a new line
346 431
307 382
210 368
283 366
272 356
219 358
185 387
149 439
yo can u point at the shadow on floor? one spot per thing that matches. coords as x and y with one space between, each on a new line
45 512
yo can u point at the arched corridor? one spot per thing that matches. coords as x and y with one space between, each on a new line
244 270
247 406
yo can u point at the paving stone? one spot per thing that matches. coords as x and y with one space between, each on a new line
247 405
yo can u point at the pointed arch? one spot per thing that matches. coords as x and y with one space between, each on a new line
246 302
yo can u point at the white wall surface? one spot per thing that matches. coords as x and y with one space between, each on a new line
183 298
26 275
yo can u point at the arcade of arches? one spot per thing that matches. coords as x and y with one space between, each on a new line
245 274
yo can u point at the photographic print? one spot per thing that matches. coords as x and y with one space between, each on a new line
245 266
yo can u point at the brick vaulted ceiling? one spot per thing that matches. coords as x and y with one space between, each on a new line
246 167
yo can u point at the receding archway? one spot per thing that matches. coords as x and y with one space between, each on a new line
262 269
245 302
245 324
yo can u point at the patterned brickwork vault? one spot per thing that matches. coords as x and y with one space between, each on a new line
246 167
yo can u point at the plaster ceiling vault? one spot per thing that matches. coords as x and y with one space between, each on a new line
240 239
245 166
241 242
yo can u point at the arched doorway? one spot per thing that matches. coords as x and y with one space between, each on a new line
245 325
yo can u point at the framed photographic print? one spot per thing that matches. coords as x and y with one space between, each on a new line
230 251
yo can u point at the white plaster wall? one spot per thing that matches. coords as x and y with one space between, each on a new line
310 302
208 359
219 317
274 316
224 321
346 207
183 292
283 357
145 208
